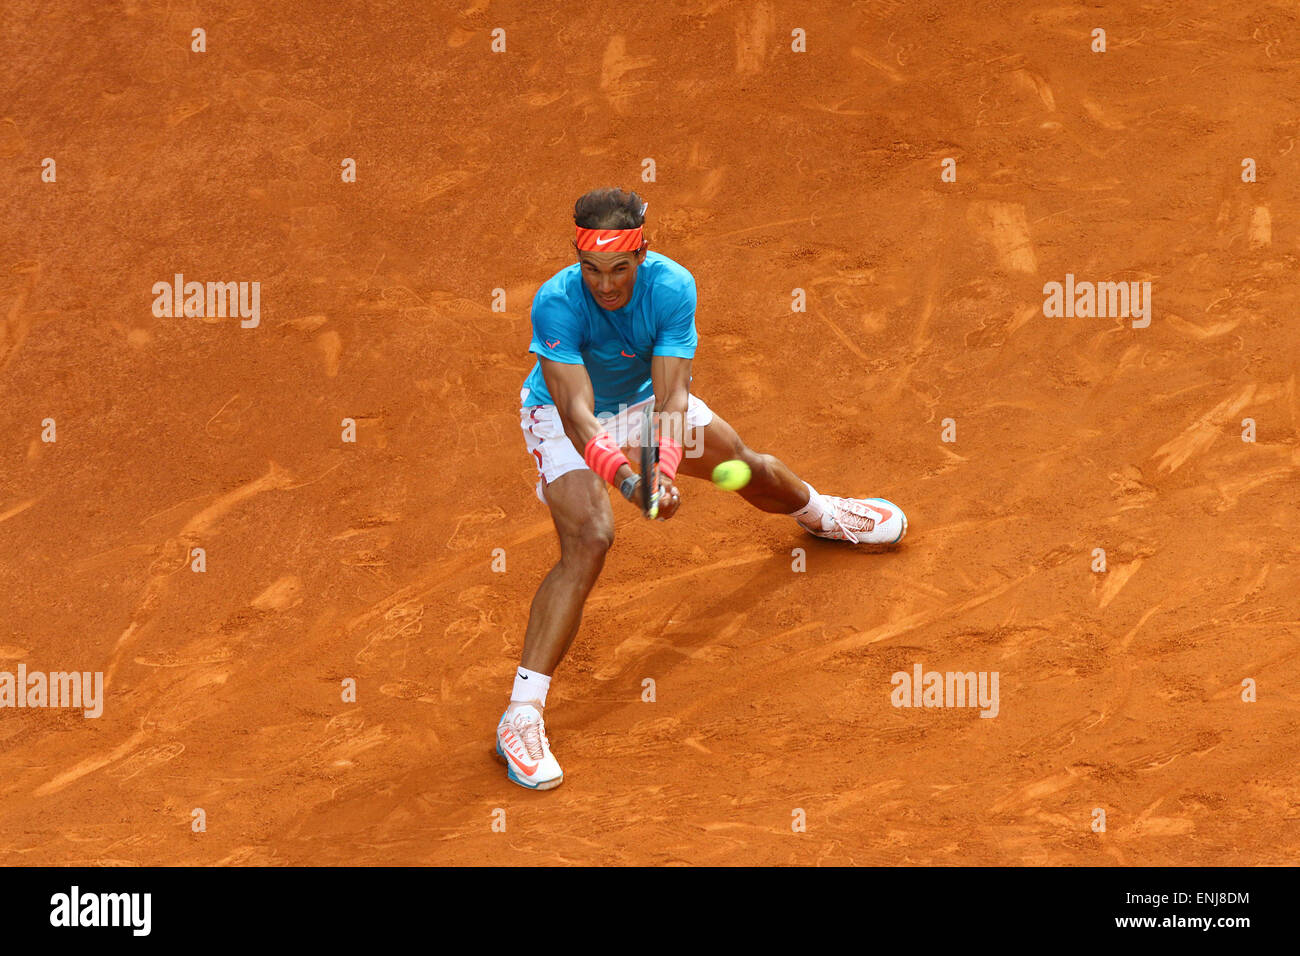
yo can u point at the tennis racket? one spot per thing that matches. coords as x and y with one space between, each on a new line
649 442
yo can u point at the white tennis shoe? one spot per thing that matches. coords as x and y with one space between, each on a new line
861 521
522 744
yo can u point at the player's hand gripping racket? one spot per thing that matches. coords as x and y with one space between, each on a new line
649 443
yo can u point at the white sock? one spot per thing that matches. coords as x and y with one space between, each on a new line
813 512
530 687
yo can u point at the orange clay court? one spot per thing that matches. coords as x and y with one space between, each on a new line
774 170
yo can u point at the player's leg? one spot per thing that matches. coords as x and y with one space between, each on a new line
776 489
584 523
773 487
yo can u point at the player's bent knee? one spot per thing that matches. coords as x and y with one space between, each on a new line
598 536
588 546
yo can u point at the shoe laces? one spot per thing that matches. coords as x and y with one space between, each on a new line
859 518
531 733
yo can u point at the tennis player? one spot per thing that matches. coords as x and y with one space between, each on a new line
613 333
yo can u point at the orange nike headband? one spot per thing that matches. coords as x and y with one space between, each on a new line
611 240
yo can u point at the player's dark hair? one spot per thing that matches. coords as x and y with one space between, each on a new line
609 209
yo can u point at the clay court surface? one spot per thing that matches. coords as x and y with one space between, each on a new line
775 170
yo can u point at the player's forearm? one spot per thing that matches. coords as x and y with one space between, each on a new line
580 422
581 426
671 376
672 414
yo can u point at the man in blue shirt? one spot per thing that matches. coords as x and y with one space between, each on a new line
615 333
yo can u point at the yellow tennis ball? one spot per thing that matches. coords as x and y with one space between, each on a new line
732 475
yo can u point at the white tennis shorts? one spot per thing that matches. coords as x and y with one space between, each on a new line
555 455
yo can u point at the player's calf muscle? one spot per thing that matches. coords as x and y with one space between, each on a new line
766 470
773 487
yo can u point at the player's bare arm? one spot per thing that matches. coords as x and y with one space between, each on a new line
570 386
671 376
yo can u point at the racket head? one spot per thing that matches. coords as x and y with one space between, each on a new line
649 448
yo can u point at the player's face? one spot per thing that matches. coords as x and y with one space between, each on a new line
611 276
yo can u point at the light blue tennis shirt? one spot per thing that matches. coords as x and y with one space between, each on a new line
615 346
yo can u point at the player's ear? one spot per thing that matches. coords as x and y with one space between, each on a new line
640 255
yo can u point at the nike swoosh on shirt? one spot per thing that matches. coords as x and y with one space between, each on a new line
625 355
